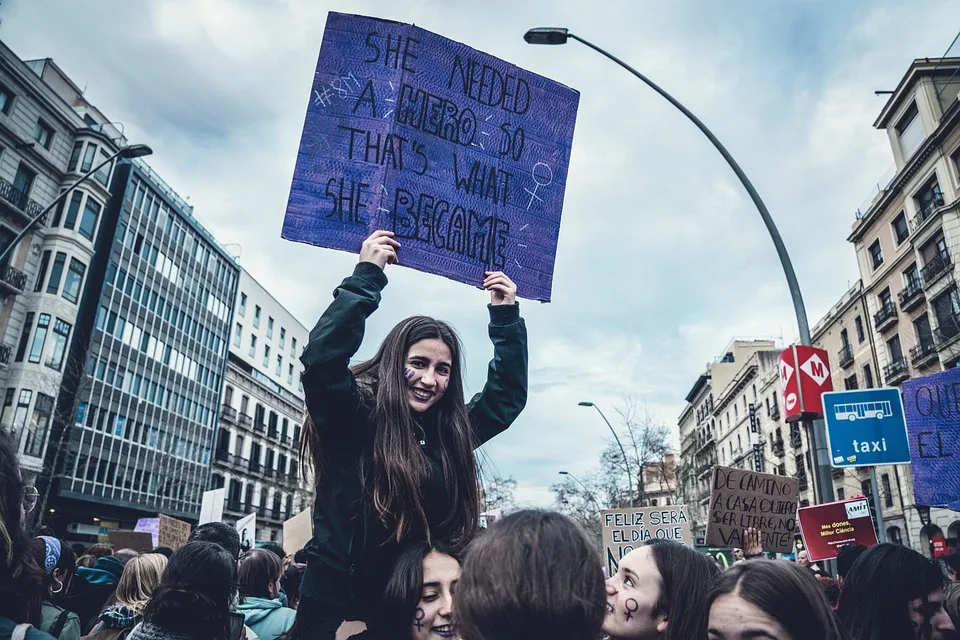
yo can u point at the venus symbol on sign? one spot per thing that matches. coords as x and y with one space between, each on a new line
542 178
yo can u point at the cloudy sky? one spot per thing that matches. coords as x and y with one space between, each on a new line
662 258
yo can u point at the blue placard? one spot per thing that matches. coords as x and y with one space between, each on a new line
933 424
866 427
462 155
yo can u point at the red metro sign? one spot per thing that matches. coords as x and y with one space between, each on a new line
804 377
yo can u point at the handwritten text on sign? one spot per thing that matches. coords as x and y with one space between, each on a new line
932 405
627 529
742 499
462 155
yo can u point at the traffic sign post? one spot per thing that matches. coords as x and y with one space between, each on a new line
866 427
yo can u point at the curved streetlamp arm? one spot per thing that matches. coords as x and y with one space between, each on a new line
792 283
623 452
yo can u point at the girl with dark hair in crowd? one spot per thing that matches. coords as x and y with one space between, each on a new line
771 599
97 551
290 581
137 583
894 593
192 601
59 563
659 593
259 577
392 439
22 582
532 575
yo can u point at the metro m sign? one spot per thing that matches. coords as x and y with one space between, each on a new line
804 377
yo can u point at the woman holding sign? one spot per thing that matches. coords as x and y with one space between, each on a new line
392 440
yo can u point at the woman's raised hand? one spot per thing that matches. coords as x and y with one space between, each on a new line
380 249
502 289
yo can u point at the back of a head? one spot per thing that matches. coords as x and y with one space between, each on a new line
125 555
846 556
195 592
686 576
218 533
259 569
275 549
873 601
166 552
100 550
139 580
532 575
291 580
951 602
952 561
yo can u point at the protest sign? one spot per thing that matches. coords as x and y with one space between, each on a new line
173 533
137 540
626 529
247 528
211 508
827 527
462 155
151 526
932 405
297 531
741 499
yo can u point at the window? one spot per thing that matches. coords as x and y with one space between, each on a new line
910 131
876 253
253 346
283 337
88 223
900 229
911 278
61 333
946 307
75 155
88 156
885 490
885 299
256 317
6 100
895 349
844 338
841 493
43 134
290 374
57 272
237 334
266 355
269 328
293 347
40 338
867 377
850 382
921 327
42 273
243 304
24 337
71 287
22 183
39 426
103 173
928 198
23 405
279 366
858 322
73 210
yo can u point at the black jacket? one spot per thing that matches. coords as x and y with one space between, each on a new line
351 554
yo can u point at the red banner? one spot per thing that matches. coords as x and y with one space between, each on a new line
827 527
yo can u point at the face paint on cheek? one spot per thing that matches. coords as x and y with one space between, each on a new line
409 373
632 607
418 617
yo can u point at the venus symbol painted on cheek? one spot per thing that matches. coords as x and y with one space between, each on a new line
632 607
418 617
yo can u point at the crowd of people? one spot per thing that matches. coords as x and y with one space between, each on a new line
397 553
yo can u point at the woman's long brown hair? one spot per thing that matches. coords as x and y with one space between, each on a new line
393 467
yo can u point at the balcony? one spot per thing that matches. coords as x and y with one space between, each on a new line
927 210
773 412
796 439
923 354
846 356
269 472
12 281
938 266
777 448
886 317
255 466
947 332
222 455
235 506
5 351
836 473
17 203
228 413
273 434
287 441
896 371
803 483
911 295
260 427
710 440
245 421
238 461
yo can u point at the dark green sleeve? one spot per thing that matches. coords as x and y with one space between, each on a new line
505 393
328 385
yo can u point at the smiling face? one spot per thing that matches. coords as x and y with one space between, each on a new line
733 618
632 596
433 617
427 371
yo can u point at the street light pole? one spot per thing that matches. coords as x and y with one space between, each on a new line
132 151
818 435
589 493
626 462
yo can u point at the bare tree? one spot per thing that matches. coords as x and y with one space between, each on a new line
498 492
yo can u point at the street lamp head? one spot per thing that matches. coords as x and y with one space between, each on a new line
585 404
135 151
546 35
564 473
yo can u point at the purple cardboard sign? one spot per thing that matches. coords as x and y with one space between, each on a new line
462 155
932 405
